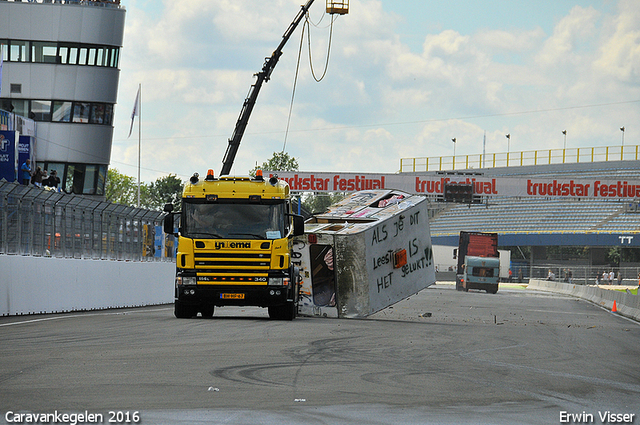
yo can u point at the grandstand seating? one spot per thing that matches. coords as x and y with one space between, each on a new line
544 215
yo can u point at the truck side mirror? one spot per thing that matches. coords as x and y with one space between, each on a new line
298 225
168 224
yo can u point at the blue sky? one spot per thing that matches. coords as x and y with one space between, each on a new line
404 78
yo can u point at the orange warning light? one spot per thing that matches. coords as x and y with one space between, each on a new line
399 258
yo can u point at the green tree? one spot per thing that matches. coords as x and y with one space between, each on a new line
164 190
123 189
317 203
280 161
120 188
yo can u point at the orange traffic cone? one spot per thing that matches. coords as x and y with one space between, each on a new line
614 309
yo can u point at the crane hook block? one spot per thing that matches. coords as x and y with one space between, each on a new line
340 7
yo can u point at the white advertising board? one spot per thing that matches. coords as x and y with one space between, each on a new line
483 186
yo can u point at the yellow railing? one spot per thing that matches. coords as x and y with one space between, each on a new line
519 159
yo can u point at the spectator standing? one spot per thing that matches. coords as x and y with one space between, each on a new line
37 177
53 180
25 169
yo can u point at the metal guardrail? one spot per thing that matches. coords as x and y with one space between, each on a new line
40 222
519 159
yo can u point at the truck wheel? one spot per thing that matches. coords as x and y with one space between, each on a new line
207 311
283 312
182 311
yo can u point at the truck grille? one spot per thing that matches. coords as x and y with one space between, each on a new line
232 264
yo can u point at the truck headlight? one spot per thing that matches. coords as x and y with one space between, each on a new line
275 281
186 280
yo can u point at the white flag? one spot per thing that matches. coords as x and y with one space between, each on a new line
135 112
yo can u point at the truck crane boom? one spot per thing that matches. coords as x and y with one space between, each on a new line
261 77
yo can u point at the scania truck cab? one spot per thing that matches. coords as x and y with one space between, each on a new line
234 246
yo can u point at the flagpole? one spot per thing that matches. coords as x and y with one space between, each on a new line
139 136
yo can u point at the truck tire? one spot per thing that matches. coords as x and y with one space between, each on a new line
207 311
283 312
182 311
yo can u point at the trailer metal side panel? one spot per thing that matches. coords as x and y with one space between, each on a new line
379 245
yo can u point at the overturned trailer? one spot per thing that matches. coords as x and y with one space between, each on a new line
365 253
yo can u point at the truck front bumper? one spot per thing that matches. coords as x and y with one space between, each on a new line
223 295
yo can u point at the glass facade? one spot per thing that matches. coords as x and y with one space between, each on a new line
62 53
80 179
60 110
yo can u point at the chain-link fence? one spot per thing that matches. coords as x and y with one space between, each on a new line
585 275
40 222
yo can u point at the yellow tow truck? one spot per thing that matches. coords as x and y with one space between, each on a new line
235 238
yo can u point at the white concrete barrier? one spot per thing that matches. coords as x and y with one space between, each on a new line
627 304
31 285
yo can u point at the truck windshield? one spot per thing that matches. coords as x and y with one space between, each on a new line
482 271
234 220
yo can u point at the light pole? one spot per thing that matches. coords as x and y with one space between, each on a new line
454 152
508 136
565 139
622 147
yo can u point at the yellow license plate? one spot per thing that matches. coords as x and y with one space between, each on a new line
232 296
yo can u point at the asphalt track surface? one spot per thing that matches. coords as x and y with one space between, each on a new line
440 357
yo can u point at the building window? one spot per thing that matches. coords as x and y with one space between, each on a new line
81 179
73 55
4 47
44 52
61 112
97 113
41 110
62 53
101 179
108 113
100 56
18 51
82 57
17 106
91 59
81 112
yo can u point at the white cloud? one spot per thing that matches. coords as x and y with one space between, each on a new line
619 56
380 100
560 48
